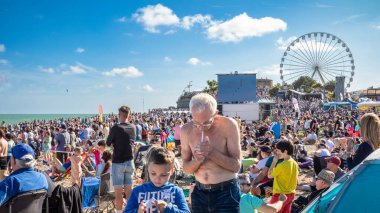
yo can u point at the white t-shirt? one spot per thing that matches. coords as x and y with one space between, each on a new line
330 145
307 124
312 136
260 165
323 153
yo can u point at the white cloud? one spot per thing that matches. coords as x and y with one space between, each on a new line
75 69
128 34
133 52
282 44
272 70
4 82
128 88
170 32
348 19
80 50
197 61
4 62
243 26
167 59
303 45
269 70
106 86
189 21
376 26
148 88
319 5
154 16
47 69
2 48
127 72
122 19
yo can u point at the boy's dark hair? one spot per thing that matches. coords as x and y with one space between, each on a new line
160 155
285 145
102 143
254 153
106 156
8 136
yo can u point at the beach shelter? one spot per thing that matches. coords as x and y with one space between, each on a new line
356 191
369 105
276 129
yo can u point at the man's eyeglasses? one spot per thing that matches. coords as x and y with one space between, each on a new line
205 125
245 184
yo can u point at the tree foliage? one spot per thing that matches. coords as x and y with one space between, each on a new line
317 86
304 82
212 87
330 86
274 90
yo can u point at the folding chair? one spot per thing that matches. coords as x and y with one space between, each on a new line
90 187
319 164
26 202
106 193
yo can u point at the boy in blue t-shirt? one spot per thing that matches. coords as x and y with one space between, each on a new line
158 195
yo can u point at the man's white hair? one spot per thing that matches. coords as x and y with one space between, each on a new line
27 161
201 101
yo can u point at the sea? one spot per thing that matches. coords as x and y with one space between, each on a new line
17 118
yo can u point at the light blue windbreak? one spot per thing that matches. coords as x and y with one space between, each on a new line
322 204
359 191
362 194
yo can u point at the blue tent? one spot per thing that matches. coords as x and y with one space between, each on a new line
356 191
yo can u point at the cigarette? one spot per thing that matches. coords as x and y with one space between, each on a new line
202 135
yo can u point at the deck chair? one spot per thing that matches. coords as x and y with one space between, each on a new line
319 164
106 193
140 156
26 202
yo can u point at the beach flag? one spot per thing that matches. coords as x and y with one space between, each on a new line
100 109
295 103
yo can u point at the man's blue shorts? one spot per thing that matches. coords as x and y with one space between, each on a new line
122 173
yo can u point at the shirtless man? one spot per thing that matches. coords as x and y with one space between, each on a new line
3 151
211 150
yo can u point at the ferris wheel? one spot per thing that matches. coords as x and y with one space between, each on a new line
321 56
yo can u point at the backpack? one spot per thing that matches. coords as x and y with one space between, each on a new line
144 131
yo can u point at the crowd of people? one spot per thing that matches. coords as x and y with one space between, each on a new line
238 166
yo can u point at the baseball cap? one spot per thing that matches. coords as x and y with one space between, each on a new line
327 176
63 126
23 152
266 149
334 159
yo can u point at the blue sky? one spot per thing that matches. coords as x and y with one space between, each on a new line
124 52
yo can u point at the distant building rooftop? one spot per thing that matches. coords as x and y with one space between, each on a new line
237 73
